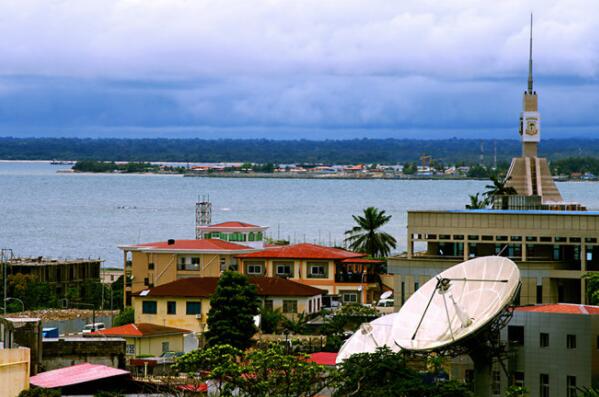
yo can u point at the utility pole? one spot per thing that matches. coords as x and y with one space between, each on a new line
6 255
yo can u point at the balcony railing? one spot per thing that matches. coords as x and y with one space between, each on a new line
355 278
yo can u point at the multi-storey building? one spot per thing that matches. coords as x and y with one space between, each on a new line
348 275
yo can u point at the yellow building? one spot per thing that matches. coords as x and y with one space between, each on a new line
185 303
153 264
143 339
14 371
344 274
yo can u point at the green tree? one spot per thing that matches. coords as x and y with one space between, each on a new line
499 187
125 316
478 171
366 237
34 294
232 309
516 391
38 392
476 202
261 372
410 168
588 392
270 320
592 283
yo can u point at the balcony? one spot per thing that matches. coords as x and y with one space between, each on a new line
355 278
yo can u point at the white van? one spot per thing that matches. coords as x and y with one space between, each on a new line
93 327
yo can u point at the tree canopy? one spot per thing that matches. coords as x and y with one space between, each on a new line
366 236
232 309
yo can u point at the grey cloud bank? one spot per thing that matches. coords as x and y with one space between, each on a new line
291 69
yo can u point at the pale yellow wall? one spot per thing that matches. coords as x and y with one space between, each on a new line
153 345
14 371
178 320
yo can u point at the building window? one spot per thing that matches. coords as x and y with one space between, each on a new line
284 269
223 264
130 349
539 294
171 307
289 306
496 383
254 269
148 307
268 305
317 270
192 308
515 334
544 385
165 347
146 281
571 390
151 266
518 379
416 286
571 341
544 339
350 297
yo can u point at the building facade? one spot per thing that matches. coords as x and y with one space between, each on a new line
185 303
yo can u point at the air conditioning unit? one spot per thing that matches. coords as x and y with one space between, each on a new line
199 316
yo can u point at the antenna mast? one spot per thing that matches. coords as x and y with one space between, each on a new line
203 214
530 59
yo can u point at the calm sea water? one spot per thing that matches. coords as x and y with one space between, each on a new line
89 215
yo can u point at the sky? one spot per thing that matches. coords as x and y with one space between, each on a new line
315 69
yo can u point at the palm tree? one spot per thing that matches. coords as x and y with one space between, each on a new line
365 237
476 202
499 187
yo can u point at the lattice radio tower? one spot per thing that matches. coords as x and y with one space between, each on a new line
203 213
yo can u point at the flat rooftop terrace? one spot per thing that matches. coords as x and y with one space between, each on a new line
512 212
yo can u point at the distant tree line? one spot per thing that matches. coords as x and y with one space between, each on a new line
111 166
570 165
262 151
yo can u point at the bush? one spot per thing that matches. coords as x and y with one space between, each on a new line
37 392
125 316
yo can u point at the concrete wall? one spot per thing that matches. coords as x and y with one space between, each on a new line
61 353
152 346
75 325
14 371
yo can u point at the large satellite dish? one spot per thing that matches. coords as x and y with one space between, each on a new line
369 337
456 304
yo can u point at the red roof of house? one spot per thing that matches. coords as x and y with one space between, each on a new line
361 260
208 244
75 374
562 308
204 287
323 358
139 330
233 224
303 251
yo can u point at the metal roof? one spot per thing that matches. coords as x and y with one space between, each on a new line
76 374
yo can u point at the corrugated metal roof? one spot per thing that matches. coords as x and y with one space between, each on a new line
74 375
323 358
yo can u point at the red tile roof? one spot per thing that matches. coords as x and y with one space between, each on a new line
234 224
323 358
75 374
208 244
139 330
204 287
562 308
303 251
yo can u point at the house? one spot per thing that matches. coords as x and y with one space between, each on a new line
236 232
146 339
339 272
185 302
153 264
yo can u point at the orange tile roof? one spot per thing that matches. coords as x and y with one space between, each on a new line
303 251
208 244
204 287
561 308
233 224
139 330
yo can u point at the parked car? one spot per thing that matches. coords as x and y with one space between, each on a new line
385 306
92 327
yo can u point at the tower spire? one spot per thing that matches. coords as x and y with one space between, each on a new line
530 60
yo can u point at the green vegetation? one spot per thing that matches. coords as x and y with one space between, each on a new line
516 391
232 309
38 392
261 372
347 318
571 165
125 316
385 373
40 295
366 237
100 166
592 287
476 202
382 151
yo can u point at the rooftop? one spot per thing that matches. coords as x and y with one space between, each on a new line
561 308
204 287
232 224
190 245
140 330
303 251
323 358
41 261
74 375
515 212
